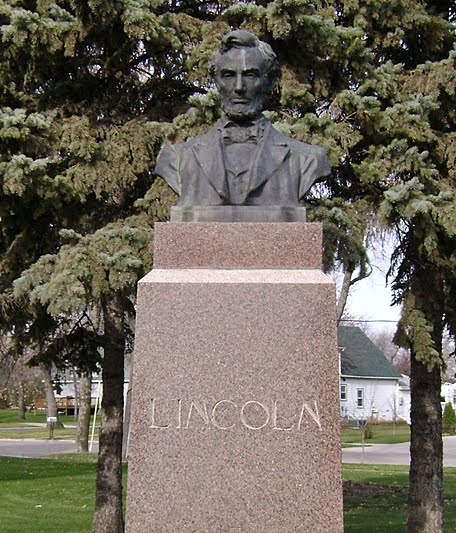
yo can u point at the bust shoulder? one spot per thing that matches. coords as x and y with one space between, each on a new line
183 147
298 146
310 159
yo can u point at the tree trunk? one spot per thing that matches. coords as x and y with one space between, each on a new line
347 282
343 294
20 401
426 475
51 404
425 509
85 399
76 395
108 516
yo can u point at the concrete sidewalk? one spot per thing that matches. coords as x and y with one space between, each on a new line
37 447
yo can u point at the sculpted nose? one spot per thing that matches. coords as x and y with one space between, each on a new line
240 86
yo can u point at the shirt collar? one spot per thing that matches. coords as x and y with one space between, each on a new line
259 122
225 122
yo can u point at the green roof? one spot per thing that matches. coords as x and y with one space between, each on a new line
361 357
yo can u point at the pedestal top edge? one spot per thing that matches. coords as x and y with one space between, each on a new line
309 276
301 225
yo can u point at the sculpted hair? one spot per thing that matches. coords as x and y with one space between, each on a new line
245 39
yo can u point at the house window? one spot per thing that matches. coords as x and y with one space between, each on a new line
360 398
454 397
343 392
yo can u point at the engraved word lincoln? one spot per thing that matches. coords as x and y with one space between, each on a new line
227 414
243 160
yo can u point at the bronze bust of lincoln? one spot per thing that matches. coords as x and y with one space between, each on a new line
242 160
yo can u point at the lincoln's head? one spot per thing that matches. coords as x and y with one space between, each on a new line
244 70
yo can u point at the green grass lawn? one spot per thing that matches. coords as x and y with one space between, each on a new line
56 495
46 495
382 434
9 420
52 495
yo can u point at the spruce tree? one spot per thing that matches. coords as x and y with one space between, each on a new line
82 86
449 419
91 89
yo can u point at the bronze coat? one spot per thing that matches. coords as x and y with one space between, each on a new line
280 175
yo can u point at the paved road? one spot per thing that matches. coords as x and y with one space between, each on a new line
395 454
387 454
36 448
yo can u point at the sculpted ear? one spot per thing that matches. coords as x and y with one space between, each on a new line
213 71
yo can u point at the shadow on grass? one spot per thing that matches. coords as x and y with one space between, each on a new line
375 498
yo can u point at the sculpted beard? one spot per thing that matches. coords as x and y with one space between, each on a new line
242 112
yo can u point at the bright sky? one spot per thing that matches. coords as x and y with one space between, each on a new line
370 299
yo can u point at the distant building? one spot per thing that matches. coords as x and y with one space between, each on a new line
370 387
448 394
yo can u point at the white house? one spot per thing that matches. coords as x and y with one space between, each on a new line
404 399
370 387
448 394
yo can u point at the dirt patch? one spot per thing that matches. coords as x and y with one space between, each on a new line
363 491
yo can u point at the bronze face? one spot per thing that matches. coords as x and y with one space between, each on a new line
242 82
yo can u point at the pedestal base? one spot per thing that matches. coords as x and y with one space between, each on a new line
235 419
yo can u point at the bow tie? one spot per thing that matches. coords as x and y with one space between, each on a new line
238 134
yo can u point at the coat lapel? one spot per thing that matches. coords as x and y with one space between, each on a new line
208 153
272 151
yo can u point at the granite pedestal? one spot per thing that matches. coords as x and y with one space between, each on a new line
235 418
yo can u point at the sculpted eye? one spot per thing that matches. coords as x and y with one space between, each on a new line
227 74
